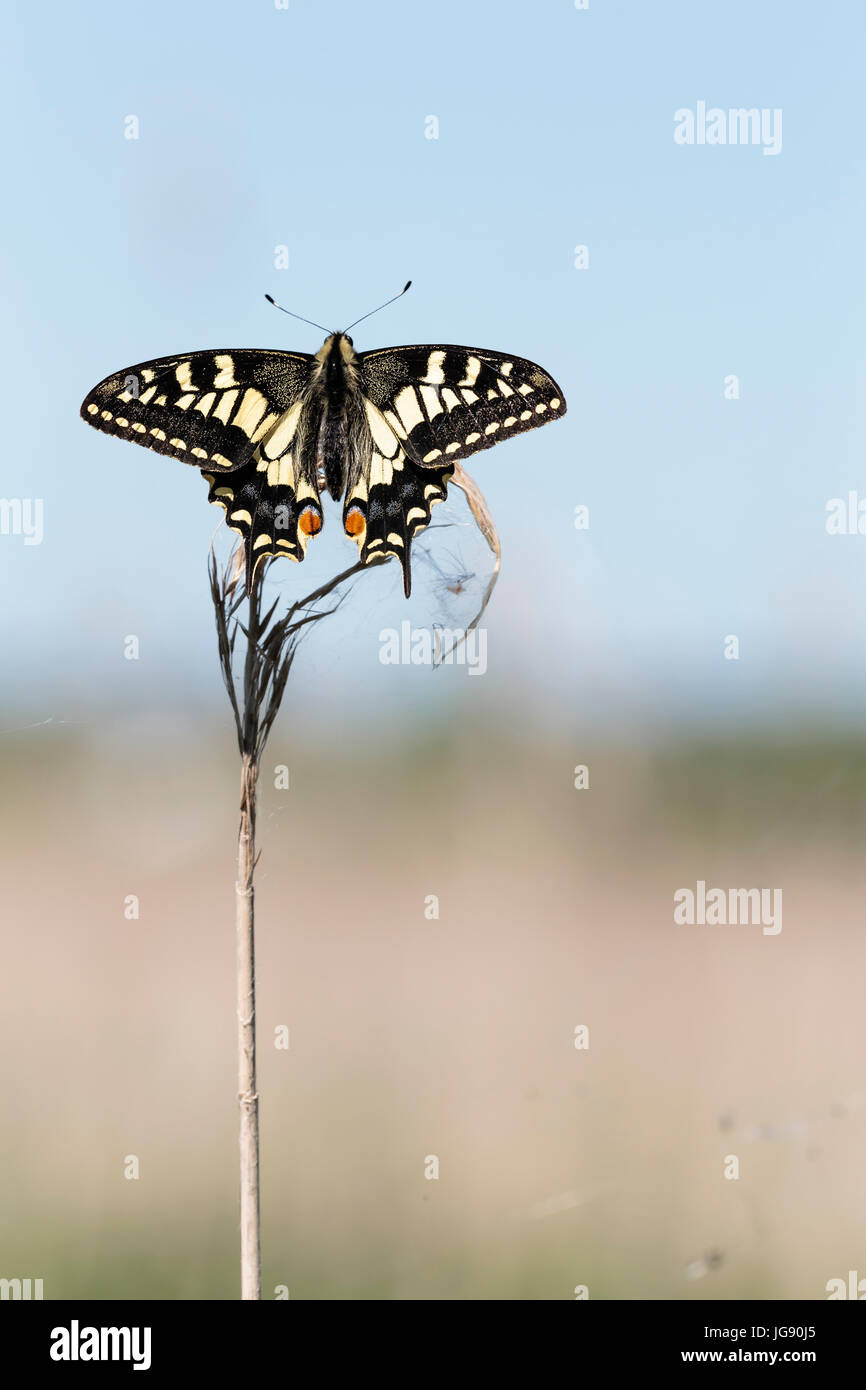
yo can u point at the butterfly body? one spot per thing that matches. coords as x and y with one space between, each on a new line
272 431
342 440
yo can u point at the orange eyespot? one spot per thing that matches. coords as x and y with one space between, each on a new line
355 522
309 521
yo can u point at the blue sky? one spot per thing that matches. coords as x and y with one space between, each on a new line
305 127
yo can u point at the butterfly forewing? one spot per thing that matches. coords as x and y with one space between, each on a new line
447 403
209 409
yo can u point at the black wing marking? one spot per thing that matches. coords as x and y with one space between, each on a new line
211 409
446 403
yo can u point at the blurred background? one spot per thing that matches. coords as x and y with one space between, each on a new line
301 134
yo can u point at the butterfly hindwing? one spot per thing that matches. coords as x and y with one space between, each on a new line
209 409
271 509
392 498
446 403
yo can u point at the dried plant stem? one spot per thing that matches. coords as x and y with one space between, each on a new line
255 692
251 1243
255 683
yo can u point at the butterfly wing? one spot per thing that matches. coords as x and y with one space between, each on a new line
429 408
234 414
447 403
387 496
210 409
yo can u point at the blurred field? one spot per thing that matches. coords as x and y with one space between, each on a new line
453 1037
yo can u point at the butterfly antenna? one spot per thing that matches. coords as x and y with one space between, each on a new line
381 306
271 300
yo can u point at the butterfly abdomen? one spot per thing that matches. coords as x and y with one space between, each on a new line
337 399
331 452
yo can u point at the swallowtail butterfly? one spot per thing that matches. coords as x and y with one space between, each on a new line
271 431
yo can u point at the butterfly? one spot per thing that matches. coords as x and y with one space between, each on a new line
271 431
